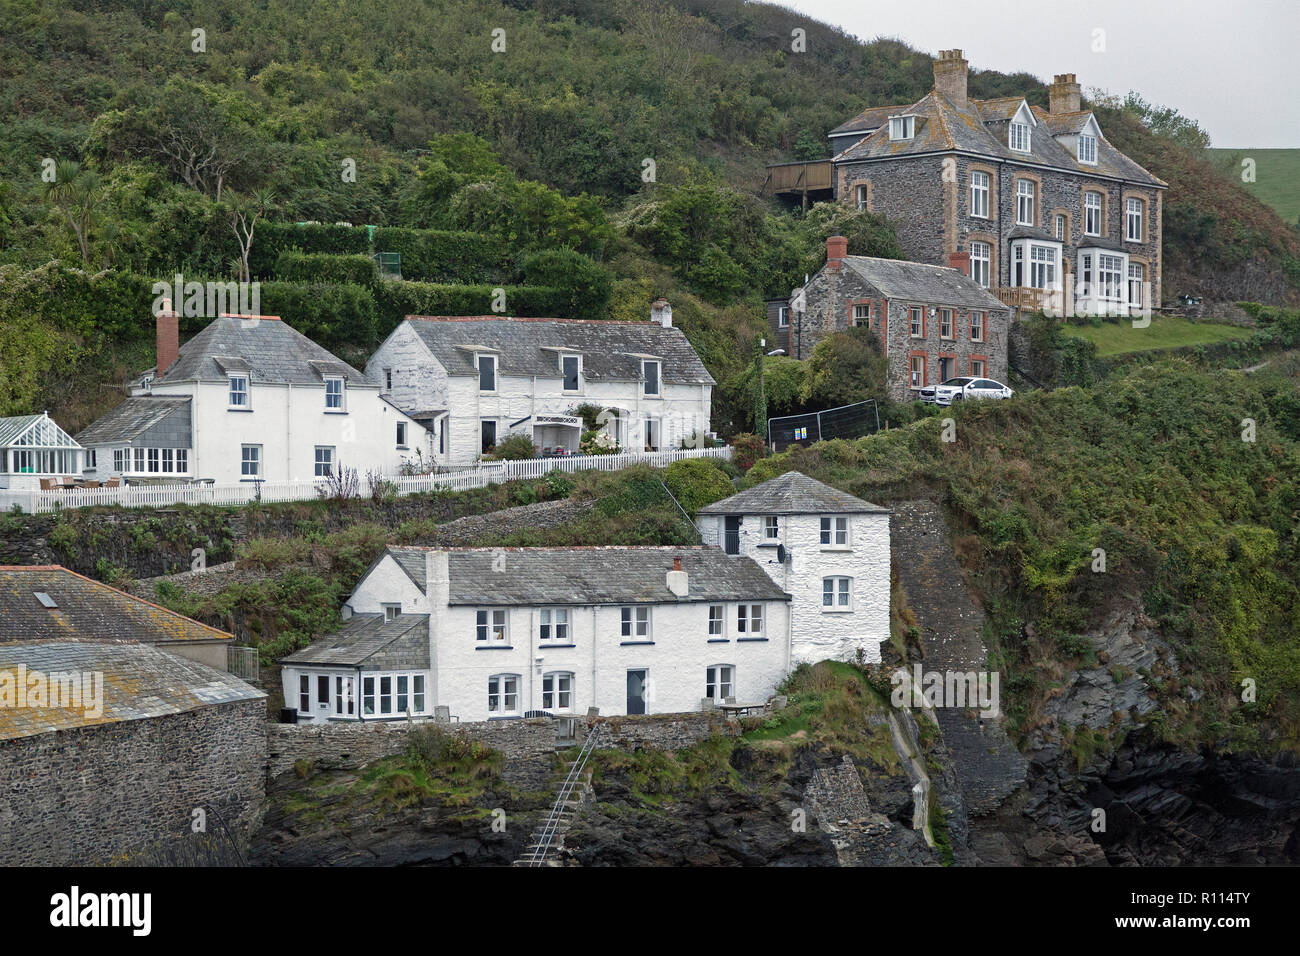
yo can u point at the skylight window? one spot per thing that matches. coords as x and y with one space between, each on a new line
46 600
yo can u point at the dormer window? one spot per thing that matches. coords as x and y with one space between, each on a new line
487 373
902 127
239 391
1018 139
571 368
1088 149
334 394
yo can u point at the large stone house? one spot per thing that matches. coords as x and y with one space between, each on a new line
483 634
249 399
827 549
475 380
933 322
1020 197
115 725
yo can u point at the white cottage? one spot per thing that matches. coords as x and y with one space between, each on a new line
34 447
826 548
476 379
248 398
502 633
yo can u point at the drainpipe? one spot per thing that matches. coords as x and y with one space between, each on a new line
594 641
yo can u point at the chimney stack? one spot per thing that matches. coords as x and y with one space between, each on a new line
950 76
168 337
1063 94
837 247
677 579
960 261
661 313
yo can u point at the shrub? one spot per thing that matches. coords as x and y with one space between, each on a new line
514 447
747 448
696 482
587 286
297 266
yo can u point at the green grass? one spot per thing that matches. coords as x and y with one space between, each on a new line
1277 177
1164 332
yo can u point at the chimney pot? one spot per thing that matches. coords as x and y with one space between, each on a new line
950 70
837 247
676 579
661 313
167 337
1063 94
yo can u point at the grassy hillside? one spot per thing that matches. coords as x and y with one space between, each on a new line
1277 177
1164 332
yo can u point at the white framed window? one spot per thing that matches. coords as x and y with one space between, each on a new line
324 461
153 460
977 326
401 434
916 321
304 694
835 530
717 620
1058 227
250 461
487 373
571 369
650 377
334 394
783 316
386 695
635 623
860 197
1133 220
720 682
1042 267
947 324
1025 202
978 368
771 527
1088 149
388 379
652 437
1092 214
239 392
182 460
491 624
553 624
862 314
916 369
749 619
981 257
168 461
1110 277
837 593
1137 277
487 430
121 459
979 194
137 458
344 705
503 694
902 127
391 611
1018 137
557 690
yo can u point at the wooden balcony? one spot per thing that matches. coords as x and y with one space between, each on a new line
803 179
1021 297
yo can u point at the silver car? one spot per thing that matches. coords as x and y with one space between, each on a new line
957 389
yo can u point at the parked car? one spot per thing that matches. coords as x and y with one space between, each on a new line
957 389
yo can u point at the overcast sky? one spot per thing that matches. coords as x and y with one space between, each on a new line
1229 64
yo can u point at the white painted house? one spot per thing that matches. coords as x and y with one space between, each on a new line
33 447
249 398
827 549
502 633
476 379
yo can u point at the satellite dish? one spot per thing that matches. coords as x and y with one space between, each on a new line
780 554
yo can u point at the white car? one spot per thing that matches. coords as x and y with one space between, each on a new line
957 389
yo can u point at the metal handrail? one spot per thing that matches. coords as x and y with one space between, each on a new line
547 835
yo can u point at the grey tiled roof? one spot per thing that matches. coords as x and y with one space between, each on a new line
273 351
899 279
138 682
611 351
790 494
86 610
371 643
129 420
600 576
981 127
412 562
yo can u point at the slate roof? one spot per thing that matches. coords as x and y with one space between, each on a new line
981 127
918 282
139 681
369 642
86 610
873 117
273 352
598 576
611 351
132 418
790 494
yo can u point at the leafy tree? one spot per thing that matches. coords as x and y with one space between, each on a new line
75 193
846 367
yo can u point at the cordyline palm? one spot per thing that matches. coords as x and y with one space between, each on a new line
74 192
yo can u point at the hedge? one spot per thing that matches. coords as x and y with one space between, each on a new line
294 266
396 300
329 313
435 255
272 238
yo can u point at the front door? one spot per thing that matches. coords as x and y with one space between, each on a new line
731 535
322 697
636 681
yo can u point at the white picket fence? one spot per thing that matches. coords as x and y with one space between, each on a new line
478 475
